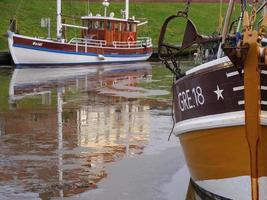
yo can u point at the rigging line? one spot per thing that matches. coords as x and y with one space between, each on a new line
243 6
70 7
220 21
72 16
139 10
186 10
88 8
16 11
173 120
253 12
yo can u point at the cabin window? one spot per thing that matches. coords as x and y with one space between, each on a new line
102 25
120 26
123 27
116 26
109 25
133 28
96 24
127 27
90 24
85 23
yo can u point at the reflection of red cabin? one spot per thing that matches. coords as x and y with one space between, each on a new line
112 30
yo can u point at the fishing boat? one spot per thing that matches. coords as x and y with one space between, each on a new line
104 39
220 108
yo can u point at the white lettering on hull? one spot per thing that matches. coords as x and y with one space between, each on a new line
191 98
39 44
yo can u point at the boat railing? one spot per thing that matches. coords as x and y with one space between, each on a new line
88 42
145 41
140 42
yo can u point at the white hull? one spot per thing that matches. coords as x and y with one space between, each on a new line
23 55
228 187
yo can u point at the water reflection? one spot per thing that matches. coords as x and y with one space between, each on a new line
2 129
64 124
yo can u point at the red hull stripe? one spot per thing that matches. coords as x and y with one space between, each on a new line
73 48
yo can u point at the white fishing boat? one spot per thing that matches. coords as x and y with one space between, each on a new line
104 39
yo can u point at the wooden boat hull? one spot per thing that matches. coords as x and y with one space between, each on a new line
210 123
35 51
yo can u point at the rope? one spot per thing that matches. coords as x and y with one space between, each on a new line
16 11
220 20
173 120
141 15
253 12
88 8
186 10
243 6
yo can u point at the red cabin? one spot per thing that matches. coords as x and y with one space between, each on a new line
111 30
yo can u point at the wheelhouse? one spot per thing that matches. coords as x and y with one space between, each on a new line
109 29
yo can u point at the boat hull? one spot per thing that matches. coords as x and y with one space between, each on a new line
34 51
210 123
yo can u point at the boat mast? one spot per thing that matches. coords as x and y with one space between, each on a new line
59 25
226 26
126 9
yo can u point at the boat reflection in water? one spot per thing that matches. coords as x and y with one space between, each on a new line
59 131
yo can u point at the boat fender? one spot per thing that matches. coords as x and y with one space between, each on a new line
238 37
101 57
144 46
130 38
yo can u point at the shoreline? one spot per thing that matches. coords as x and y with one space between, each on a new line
5 59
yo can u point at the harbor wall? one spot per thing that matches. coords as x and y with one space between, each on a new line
5 59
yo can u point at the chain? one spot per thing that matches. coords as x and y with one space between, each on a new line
243 7
185 11
187 7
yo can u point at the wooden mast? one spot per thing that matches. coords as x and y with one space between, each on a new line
59 23
252 102
226 25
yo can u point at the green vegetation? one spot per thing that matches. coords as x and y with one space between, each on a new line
29 12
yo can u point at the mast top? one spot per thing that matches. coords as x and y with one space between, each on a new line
59 23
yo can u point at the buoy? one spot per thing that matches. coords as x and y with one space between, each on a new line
101 57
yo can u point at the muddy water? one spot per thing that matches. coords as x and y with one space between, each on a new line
60 128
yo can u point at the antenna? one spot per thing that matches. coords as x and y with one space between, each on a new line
105 3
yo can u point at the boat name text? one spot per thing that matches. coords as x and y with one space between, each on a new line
37 44
190 99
